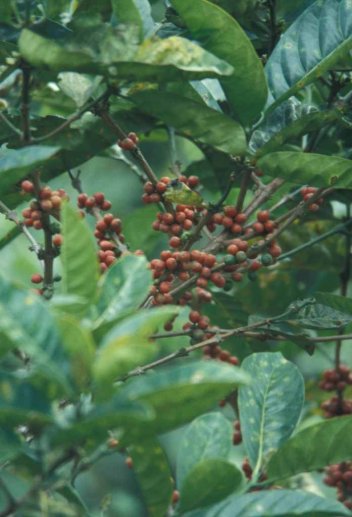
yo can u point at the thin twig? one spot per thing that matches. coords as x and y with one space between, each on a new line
25 102
11 215
10 125
337 229
183 352
88 107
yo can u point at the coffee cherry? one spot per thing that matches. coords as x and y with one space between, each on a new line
263 216
57 240
266 259
36 278
175 242
127 144
27 186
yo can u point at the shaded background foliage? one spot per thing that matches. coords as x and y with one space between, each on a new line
194 112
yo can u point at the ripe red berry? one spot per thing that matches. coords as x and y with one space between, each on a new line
230 211
36 278
263 216
127 144
194 316
107 245
99 198
106 205
241 218
57 240
258 227
175 242
27 186
193 181
171 264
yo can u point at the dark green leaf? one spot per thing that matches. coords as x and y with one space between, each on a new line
10 445
313 44
208 437
308 313
16 164
270 407
246 88
123 288
33 331
207 483
302 168
194 120
94 429
153 474
78 256
275 503
304 125
339 303
190 389
313 448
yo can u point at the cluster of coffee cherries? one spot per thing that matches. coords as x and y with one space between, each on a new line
307 193
48 202
340 476
108 229
129 143
178 266
336 380
153 193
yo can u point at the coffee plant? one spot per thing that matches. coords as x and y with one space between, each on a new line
175 243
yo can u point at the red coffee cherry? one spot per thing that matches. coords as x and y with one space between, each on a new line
27 186
36 278
57 240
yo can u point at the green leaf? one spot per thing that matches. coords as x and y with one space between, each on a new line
207 483
78 257
79 346
128 345
309 314
137 226
208 437
77 86
190 389
10 445
335 301
313 44
123 419
16 164
304 125
194 120
135 12
246 88
153 473
123 288
270 407
313 448
315 169
275 503
114 51
27 325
